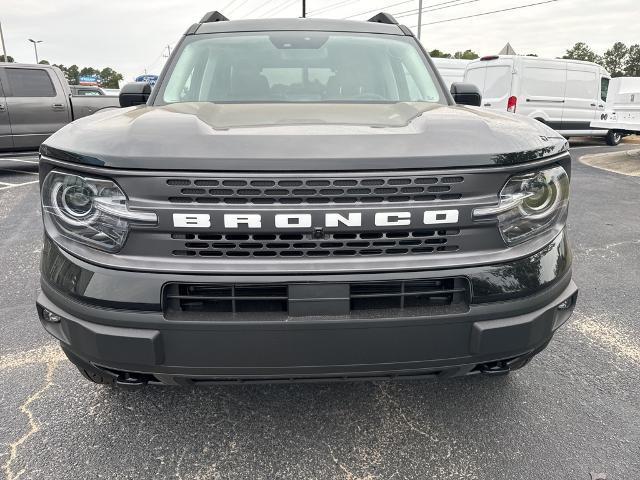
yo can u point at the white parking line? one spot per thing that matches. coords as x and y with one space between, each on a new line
11 185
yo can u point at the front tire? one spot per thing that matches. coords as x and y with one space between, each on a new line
613 138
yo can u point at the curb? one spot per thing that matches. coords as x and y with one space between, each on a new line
626 162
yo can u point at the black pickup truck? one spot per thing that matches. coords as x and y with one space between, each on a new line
302 199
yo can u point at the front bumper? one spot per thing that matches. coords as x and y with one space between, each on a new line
114 320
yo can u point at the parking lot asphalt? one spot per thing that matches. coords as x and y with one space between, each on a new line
573 413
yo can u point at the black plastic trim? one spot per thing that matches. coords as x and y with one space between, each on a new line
257 351
214 16
383 17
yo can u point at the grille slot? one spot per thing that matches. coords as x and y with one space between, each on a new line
404 294
210 302
315 190
304 244
227 298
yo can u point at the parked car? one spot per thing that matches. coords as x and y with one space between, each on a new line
86 90
35 101
566 95
451 69
622 108
302 199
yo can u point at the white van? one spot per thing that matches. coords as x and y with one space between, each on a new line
567 95
451 69
622 109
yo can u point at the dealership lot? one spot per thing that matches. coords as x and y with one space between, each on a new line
573 413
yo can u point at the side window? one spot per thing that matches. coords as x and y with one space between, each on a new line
604 88
27 82
544 82
497 82
476 76
582 85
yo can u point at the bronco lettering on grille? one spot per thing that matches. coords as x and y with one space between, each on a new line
304 220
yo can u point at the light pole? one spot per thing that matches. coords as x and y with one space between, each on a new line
35 46
4 48
419 18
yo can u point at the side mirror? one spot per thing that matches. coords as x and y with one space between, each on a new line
466 94
136 93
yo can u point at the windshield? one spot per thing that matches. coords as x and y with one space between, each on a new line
295 66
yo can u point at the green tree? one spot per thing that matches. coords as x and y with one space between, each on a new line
439 54
615 59
73 75
44 62
466 55
89 72
632 67
582 51
9 59
109 78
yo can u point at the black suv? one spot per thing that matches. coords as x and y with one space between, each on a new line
302 199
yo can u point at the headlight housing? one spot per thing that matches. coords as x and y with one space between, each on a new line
530 204
92 211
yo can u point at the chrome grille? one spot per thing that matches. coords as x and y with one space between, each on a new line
305 245
314 190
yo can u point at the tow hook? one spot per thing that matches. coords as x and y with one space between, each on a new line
130 381
495 368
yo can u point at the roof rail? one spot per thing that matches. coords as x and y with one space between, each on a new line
215 16
383 17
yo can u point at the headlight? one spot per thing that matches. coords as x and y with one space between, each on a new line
530 204
92 211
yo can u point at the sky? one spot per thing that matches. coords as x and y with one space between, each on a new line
131 36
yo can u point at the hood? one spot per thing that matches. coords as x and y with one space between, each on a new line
312 136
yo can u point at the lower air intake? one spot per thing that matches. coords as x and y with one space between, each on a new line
279 302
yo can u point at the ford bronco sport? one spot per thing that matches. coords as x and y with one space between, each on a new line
302 199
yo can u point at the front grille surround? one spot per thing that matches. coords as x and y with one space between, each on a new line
271 247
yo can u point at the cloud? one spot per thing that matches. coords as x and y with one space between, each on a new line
130 36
